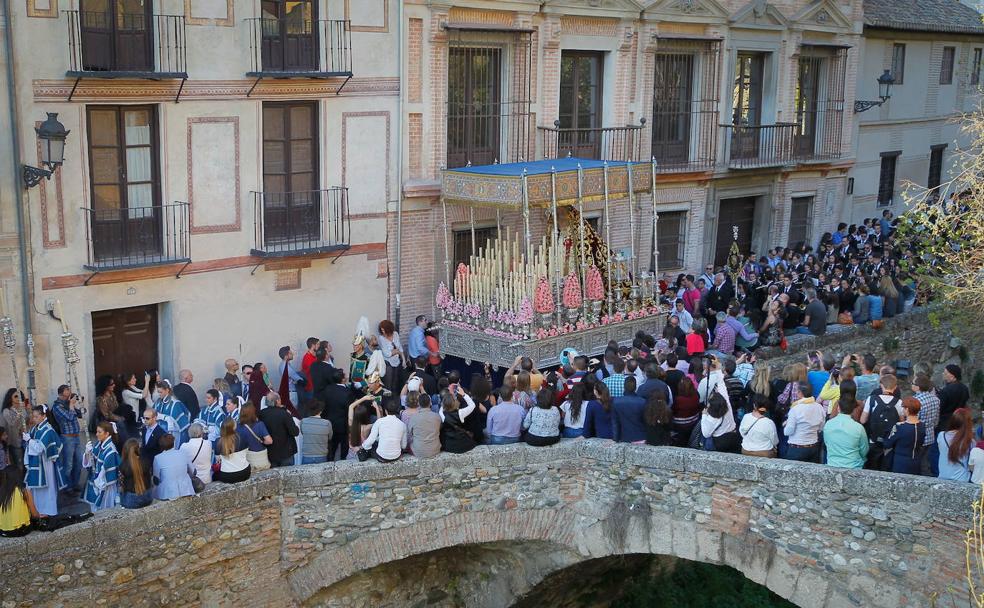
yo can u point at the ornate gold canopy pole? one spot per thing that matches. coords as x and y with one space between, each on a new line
632 229
655 240
608 237
447 252
526 217
580 223
9 342
554 257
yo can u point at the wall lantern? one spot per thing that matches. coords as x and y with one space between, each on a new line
885 82
51 136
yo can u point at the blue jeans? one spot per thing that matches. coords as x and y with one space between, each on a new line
501 440
803 454
71 460
313 459
130 500
569 433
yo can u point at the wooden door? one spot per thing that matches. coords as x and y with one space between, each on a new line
289 35
125 341
734 212
580 104
117 35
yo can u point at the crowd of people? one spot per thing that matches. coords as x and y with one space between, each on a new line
698 385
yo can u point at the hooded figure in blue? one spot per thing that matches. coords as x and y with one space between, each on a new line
175 415
44 476
103 462
213 415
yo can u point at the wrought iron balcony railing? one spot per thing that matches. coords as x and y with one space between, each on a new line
754 146
107 44
118 239
602 143
293 48
301 223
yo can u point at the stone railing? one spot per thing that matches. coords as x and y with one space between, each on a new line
817 535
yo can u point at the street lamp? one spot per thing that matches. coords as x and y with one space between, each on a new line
51 136
885 82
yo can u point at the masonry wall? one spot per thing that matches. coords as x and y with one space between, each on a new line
816 535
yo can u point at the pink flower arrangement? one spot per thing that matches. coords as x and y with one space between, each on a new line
493 315
592 284
507 317
443 296
525 314
543 297
572 291
473 310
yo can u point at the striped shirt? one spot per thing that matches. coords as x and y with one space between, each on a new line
929 414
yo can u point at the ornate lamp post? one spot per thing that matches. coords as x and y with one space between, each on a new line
51 136
885 82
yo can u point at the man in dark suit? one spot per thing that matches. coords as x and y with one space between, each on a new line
185 393
420 368
718 297
150 436
337 397
321 372
280 425
232 378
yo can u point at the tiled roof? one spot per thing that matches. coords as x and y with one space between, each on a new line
923 16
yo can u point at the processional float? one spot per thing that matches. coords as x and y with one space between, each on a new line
569 289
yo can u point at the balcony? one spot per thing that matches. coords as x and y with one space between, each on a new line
300 223
295 48
121 239
760 146
107 44
603 143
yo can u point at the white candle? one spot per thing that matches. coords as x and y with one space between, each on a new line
3 302
58 312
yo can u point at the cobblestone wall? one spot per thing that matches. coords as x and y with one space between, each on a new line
820 536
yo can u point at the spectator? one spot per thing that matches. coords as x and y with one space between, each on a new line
844 438
173 413
815 318
136 489
231 449
628 425
658 419
172 472
361 414
867 381
542 422
686 411
337 397
717 424
455 437
904 443
929 415
616 379
724 335
14 417
305 392
574 409
598 419
955 444
199 452
388 436
254 432
505 420
803 425
424 429
758 431
317 433
818 373
523 395
67 414
881 413
185 393
654 383
953 396
108 409
150 437
17 508
282 430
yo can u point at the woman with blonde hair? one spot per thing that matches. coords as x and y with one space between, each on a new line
231 448
889 294
761 383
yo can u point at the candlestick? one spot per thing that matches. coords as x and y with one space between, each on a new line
3 302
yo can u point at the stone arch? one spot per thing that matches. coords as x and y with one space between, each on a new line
622 530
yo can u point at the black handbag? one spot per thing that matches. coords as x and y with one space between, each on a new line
363 454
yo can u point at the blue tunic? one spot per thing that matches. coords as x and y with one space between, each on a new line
105 459
172 409
906 439
37 476
212 417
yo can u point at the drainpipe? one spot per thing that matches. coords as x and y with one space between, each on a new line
21 199
399 170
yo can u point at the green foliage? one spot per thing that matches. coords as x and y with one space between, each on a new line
890 344
699 585
934 319
977 383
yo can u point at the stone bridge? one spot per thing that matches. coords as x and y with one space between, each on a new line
482 529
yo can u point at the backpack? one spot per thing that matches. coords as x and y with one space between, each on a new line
882 417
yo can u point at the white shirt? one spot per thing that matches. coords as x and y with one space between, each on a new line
715 427
804 422
389 352
716 381
758 434
391 435
203 460
462 411
565 408
686 319
977 464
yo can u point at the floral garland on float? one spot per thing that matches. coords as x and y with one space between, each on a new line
503 292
